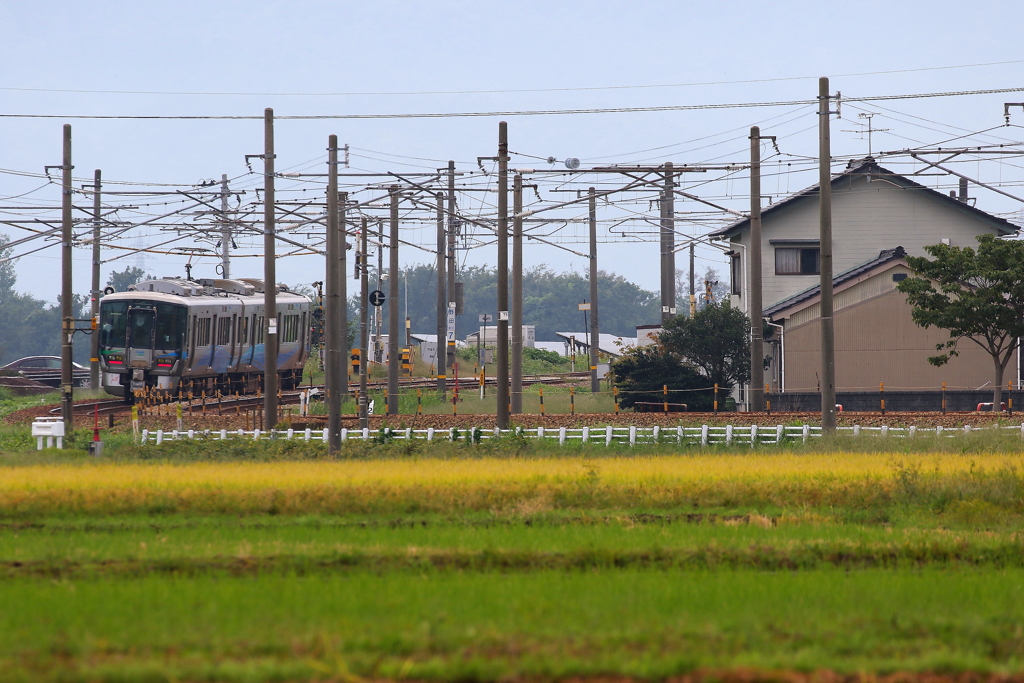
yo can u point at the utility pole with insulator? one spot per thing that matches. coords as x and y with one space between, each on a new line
394 352
502 364
828 340
756 387
668 242
94 294
517 296
440 352
595 329
270 345
453 228
333 367
225 230
67 400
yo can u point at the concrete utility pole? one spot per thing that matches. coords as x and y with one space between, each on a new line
225 230
67 315
270 346
595 329
378 314
394 352
94 294
756 392
517 295
334 365
343 290
453 228
442 301
693 289
668 242
828 340
502 369
364 328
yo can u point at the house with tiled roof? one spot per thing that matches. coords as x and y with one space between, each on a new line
878 218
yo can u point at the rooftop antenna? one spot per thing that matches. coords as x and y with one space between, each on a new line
870 129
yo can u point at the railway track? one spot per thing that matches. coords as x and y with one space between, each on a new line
292 397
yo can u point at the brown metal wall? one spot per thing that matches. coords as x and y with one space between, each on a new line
877 341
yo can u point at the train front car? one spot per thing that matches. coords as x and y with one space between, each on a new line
206 335
142 339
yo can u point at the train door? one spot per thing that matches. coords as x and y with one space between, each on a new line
140 337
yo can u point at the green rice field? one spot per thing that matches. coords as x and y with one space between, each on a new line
772 564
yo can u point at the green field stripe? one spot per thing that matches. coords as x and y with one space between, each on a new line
792 557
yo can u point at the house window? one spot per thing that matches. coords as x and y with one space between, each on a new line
797 260
736 271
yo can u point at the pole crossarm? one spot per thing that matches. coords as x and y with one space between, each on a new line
939 166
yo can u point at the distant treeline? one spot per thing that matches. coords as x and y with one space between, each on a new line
550 300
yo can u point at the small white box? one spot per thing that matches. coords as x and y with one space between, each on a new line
49 427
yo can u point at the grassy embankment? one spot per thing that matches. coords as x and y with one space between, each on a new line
495 564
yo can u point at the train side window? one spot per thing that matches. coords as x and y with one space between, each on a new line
260 324
290 329
243 331
170 325
203 332
223 331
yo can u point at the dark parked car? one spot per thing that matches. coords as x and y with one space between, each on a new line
46 370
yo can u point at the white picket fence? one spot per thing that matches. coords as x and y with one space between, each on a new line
704 435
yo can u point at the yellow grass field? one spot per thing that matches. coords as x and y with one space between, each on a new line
433 484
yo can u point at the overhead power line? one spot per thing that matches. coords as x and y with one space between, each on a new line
510 91
529 112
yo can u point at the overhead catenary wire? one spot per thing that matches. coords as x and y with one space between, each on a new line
527 112
516 90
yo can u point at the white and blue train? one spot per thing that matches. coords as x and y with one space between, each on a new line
173 334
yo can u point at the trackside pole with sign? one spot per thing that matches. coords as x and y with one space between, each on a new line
364 315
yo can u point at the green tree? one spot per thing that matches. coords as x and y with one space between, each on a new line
122 280
549 300
641 373
974 294
30 326
715 340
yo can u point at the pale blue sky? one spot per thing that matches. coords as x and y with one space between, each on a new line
416 47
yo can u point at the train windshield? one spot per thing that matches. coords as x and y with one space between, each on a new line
164 331
113 323
170 326
140 325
